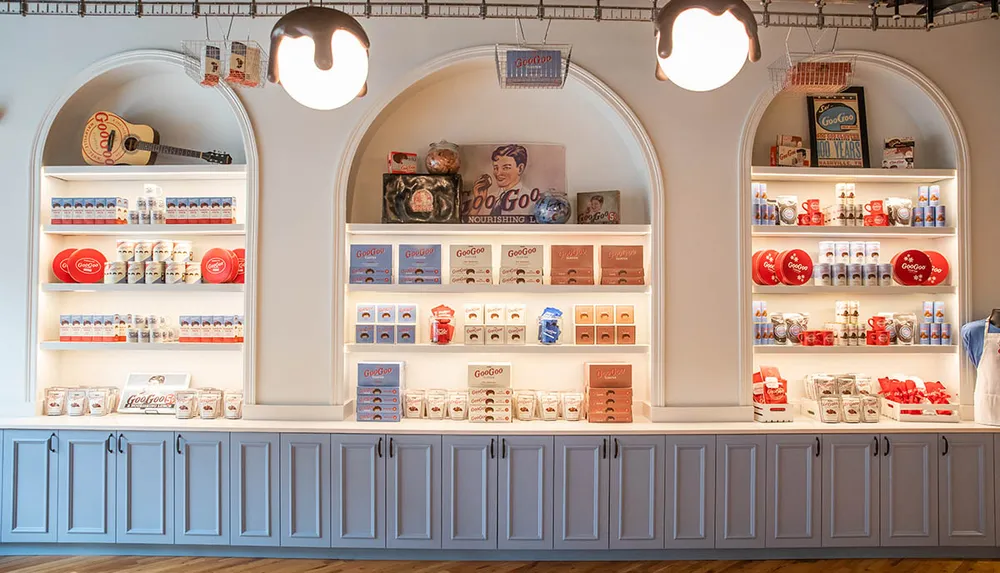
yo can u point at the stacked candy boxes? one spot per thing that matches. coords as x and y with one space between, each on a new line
572 264
419 264
622 265
495 324
380 388
89 211
386 323
608 392
471 264
521 264
200 210
604 323
371 264
490 396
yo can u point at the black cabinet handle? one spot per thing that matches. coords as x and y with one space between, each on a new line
503 448
121 450
390 447
493 452
604 449
378 449
819 447
51 441
177 445
886 452
108 443
945 452
875 455
616 448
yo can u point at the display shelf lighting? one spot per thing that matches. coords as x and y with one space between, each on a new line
702 44
320 57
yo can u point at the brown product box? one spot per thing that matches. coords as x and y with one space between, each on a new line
481 417
608 374
511 272
515 333
495 334
483 393
621 257
583 313
633 281
573 272
605 334
595 402
624 314
603 394
521 256
624 334
495 409
609 418
526 280
618 272
483 279
594 408
507 401
475 334
573 280
572 257
585 334
604 314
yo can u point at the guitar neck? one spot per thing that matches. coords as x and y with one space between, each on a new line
157 148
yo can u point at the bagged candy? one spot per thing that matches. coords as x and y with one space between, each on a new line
851 408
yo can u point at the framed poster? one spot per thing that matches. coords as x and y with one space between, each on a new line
838 129
502 182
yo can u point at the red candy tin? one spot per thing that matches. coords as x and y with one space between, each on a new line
241 265
939 269
60 266
765 267
219 266
794 267
87 266
911 267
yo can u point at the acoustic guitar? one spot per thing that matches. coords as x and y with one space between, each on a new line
110 140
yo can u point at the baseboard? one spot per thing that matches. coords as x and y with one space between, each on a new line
694 414
331 413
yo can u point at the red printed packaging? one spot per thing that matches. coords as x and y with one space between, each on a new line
60 266
621 257
939 269
911 267
241 265
794 267
86 266
764 267
219 266
573 261
608 375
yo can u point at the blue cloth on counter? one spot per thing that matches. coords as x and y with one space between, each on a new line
974 336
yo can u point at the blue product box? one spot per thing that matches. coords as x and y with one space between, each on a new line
364 399
383 374
419 280
378 408
378 417
385 334
406 334
385 314
364 334
375 257
406 314
365 313
370 272
371 279
367 391
420 260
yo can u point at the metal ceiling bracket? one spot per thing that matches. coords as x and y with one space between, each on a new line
83 8
541 9
253 8
895 11
766 15
652 16
930 14
24 7
196 9
425 11
995 9
138 8
482 9
874 8
820 18
597 11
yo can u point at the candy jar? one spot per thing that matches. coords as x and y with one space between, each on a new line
550 326
552 207
442 330
442 158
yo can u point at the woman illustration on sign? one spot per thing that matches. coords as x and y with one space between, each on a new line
509 163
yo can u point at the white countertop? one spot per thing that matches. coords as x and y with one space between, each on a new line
138 422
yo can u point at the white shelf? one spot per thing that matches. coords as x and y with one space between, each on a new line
494 289
847 175
865 290
158 230
124 346
201 172
142 288
389 349
471 229
854 232
895 349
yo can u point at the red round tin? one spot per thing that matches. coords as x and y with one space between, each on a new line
219 266
764 267
939 268
911 267
87 266
241 265
60 266
794 267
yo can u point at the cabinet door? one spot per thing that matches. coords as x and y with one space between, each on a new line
910 490
793 491
690 488
636 492
253 496
469 492
851 470
524 499
145 487
965 478
739 490
581 492
413 492
201 482
358 490
305 483
30 471
86 487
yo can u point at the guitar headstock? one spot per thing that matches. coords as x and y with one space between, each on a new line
217 157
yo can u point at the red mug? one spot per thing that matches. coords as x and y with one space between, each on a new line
882 338
816 218
877 323
804 220
809 338
810 205
824 338
874 207
880 220
871 337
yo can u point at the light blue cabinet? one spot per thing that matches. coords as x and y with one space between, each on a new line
739 489
581 492
201 479
254 489
909 492
965 479
145 501
637 487
851 490
413 492
87 487
305 487
358 493
690 492
30 472
793 493
524 496
469 492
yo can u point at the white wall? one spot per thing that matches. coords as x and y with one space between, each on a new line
696 135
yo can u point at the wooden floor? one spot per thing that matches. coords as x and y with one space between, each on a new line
215 565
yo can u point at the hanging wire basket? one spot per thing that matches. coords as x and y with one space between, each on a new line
532 65
238 63
797 73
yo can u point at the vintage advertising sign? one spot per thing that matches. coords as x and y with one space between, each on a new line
502 182
838 130
534 68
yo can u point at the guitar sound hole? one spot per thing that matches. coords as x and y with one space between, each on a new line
130 144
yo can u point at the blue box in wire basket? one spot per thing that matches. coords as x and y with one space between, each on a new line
536 68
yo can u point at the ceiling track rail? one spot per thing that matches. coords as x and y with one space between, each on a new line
820 16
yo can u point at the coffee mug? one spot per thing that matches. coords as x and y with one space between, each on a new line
880 220
824 338
869 221
874 207
871 338
809 338
882 338
816 218
877 323
810 205
804 220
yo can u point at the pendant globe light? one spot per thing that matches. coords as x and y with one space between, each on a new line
320 56
702 44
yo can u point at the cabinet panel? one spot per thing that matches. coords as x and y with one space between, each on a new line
690 492
145 502
965 477
524 499
413 492
87 487
851 482
637 492
358 490
30 473
201 480
469 492
254 492
909 490
739 491
305 485
581 492
793 491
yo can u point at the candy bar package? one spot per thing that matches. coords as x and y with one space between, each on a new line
526 405
380 374
870 409
521 257
411 198
471 257
419 260
851 409
401 162
414 404
437 404
608 374
458 405
490 375
829 409
621 257
549 403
